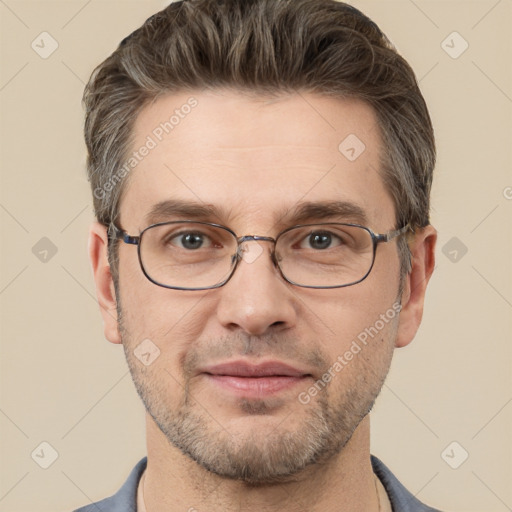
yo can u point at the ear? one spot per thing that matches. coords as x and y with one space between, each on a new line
105 292
422 248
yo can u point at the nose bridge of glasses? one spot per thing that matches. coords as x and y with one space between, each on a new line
255 238
248 253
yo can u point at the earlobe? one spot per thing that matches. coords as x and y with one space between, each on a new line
105 292
423 262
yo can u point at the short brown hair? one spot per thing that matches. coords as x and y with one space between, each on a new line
269 47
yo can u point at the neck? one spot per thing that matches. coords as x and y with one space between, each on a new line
174 481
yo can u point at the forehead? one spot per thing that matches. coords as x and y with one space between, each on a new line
254 158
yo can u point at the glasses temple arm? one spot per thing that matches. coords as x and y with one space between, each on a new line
387 237
114 233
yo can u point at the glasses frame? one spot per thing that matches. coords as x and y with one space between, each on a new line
116 233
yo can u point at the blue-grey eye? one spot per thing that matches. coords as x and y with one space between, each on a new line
191 240
320 240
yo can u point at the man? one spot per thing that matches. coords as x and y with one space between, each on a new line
261 172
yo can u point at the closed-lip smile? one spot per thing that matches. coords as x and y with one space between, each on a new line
254 380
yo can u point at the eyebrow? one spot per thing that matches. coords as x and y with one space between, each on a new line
177 208
325 210
301 213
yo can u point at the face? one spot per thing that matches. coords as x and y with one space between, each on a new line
255 163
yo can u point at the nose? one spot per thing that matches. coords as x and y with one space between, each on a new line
256 299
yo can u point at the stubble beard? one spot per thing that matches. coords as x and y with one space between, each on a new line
260 456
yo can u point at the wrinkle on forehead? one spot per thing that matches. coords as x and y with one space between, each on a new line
253 158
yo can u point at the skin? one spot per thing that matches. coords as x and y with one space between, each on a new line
256 159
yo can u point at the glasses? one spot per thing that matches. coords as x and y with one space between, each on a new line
190 255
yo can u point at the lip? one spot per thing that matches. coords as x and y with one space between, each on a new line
254 380
245 369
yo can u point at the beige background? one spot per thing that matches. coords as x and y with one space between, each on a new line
62 383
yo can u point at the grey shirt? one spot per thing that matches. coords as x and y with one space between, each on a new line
125 500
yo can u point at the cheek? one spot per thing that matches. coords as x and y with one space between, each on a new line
338 316
362 363
385 275
365 338
170 319
157 333
356 328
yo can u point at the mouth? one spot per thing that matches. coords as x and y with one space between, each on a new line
255 381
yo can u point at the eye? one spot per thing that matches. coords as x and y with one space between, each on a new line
320 240
191 240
